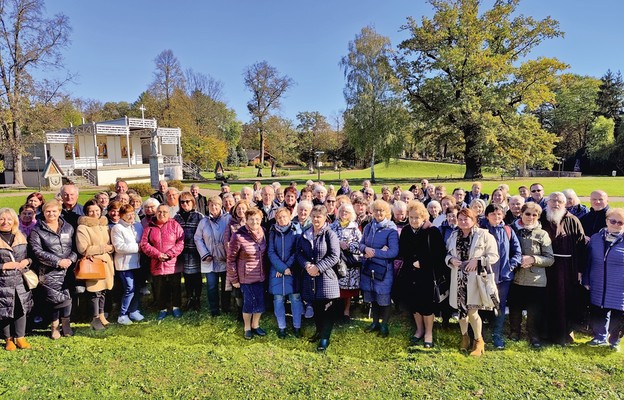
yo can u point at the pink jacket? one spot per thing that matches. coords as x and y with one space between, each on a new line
158 239
246 258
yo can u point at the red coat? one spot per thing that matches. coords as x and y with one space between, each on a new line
167 238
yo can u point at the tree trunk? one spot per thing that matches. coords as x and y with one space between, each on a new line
373 167
261 129
18 176
471 153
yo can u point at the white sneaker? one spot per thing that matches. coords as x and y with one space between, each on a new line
136 316
309 312
124 320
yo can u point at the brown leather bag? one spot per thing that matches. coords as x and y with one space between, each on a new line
90 268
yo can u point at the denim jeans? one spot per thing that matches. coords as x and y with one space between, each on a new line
499 320
280 312
213 287
129 297
607 322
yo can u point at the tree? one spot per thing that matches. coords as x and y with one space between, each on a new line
467 72
600 138
376 120
267 87
168 78
29 41
314 134
610 99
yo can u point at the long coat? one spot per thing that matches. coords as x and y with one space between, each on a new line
11 280
414 286
50 247
323 250
482 247
210 241
92 237
282 252
351 235
189 260
383 237
605 272
168 239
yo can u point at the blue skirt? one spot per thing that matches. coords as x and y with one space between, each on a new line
253 297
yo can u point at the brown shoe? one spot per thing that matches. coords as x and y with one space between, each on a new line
103 319
21 343
96 324
465 343
66 327
55 334
479 348
10 345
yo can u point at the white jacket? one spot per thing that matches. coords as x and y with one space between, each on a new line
126 239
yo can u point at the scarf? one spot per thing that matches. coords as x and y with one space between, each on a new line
282 229
344 223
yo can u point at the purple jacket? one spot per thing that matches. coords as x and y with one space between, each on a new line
158 239
246 258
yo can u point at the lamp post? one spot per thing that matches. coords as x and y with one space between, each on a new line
37 158
318 164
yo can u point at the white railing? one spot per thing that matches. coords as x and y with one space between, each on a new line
172 160
89 162
89 176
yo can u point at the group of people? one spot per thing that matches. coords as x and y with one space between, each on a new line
467 255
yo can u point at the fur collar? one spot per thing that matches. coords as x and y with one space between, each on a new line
91 221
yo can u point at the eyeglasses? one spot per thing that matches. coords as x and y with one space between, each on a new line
531 215
615 222
185 201
379 210
330 201
369 193
536 190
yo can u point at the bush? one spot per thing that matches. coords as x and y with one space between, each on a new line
142 189
231 177
176 184
282 173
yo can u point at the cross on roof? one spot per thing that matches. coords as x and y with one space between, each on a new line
142 108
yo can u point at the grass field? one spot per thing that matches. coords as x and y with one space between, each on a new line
202 357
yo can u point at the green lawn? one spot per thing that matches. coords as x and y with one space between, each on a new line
203 357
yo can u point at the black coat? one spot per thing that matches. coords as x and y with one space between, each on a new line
201 204
414 286
48 248
11 280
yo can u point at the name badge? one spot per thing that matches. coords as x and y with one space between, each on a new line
65 236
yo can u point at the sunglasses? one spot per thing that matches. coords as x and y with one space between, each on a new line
536 190
330 201
531 215
615 222
185 201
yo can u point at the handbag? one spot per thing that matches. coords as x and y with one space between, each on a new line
488 290
31 280
340 268
90 268
441 288
374 270
349 259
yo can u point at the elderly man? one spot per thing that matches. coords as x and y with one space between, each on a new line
460 196
225 188
596 218
563 289
163 186
267 206
71 209
121 187
476 193
515 209
200 200
172 199
246 193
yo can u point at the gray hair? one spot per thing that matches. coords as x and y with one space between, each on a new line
349 208
305 204
434 203
571 193
399 206
151 202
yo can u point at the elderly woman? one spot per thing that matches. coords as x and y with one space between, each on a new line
478 206
113 213
471 250
330 204
163 241
125 237
528 289
380 246
236 221
15 296
399 215
499 197
605 281
93 240
349 237
386 195
284 274
422 249
573 203
318 251
435 209
509 258
189 260
136 202
246 270
361 208
103 199
290 201
51 242
302 220
228 203
210 242
396 193
320 193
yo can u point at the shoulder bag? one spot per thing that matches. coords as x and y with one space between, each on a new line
90 268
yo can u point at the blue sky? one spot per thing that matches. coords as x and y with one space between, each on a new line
115 42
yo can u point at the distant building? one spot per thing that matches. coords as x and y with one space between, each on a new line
253 157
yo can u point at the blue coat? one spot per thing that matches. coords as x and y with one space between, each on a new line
323 250
282 251
605 272
378 235
509 251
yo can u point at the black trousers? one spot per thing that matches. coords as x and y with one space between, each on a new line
18 322
168 290
323 317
